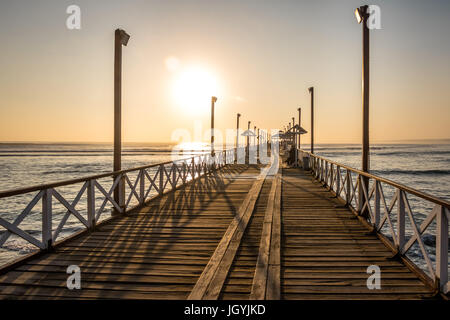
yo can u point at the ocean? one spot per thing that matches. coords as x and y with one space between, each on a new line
425 167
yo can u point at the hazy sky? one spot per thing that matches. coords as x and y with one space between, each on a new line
57 84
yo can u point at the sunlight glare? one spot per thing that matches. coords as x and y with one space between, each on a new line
193 89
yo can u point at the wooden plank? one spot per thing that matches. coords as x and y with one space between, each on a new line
258 291
160 248
273 279
326 250
211 281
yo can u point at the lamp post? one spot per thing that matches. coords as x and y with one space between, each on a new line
257 145
247 156
213 101
311 91
120 39
293 130
362 15
299 125
237 134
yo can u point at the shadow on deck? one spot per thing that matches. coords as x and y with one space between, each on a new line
161 250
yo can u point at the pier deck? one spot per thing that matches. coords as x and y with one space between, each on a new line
233 234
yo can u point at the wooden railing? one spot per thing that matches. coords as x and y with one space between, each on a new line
394 220
140 184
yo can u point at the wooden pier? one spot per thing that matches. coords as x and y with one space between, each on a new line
234 233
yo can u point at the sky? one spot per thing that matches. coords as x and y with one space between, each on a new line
257 57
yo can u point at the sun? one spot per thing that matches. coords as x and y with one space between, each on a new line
193 88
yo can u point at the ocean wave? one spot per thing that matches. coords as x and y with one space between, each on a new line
97 153
19 246
406 153
421 172
85 151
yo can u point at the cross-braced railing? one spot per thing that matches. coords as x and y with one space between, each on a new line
403 229
136 186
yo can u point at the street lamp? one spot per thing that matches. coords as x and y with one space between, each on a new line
120 39
359 14
237 129
213 101
299 125
247 156
362 15
257 145
311 91
293 129
237 134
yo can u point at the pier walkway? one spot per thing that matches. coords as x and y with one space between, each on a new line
235 233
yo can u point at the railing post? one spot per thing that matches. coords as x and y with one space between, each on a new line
91 204
442 220
141 186
47 219
174 175
122 187
184 172
324 171
318 168
377 204
212 164
328 173
193 168
348 193
338 180
400 220
321 170
316 165
331 177
161 178
360 194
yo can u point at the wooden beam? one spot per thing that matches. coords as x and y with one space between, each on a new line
211 280
260 279
273 277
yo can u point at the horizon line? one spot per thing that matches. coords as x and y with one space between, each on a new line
446 140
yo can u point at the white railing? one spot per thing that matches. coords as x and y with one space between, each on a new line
393 219
136 186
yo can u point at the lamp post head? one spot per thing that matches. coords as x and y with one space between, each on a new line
123 36
238 115
213 99
361 13
299 109
311 89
